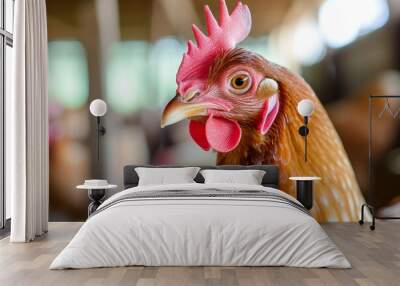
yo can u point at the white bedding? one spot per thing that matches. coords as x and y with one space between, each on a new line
185 231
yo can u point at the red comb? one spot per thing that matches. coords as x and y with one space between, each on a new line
222 36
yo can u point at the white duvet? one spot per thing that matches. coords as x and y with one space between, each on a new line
200 231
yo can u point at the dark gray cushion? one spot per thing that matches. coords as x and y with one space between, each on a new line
270 179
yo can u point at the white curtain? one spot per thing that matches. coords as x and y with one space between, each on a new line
27 124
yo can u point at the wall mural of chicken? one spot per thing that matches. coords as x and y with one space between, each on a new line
244 107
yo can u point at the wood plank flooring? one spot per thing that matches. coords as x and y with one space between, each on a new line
375 257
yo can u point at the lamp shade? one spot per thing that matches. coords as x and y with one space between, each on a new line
98 107
305 107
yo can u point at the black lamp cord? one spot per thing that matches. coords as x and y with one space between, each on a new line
101 130
98 138
305 137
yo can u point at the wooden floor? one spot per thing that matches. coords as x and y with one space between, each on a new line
375 257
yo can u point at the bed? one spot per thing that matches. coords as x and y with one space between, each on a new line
198 224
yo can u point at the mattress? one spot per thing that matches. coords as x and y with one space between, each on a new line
201 225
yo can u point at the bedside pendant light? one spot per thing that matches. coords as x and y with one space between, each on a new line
305 108
98 108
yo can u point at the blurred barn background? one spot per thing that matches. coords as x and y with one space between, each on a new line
127 52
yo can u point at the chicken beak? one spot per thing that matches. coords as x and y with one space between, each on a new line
177 110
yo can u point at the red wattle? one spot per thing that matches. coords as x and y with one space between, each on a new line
222 134
197 130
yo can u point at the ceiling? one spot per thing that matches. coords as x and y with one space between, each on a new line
150 20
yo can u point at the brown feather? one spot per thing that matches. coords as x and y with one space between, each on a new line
337 197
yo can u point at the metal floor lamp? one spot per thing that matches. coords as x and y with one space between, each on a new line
395 115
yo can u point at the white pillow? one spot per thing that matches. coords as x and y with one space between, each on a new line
164 176
248 177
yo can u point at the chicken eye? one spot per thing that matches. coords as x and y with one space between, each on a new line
240 83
